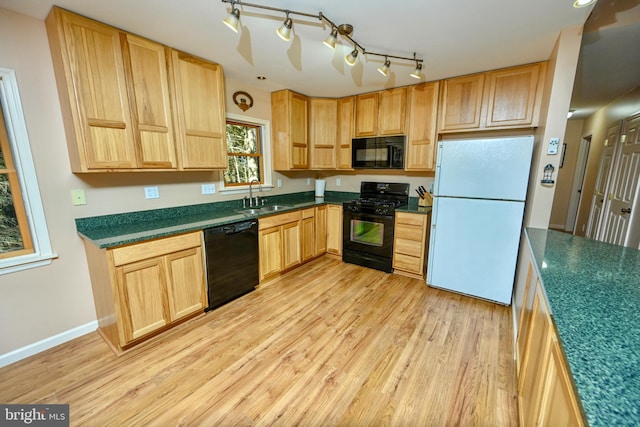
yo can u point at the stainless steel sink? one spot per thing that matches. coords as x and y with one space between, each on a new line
263 209
274 208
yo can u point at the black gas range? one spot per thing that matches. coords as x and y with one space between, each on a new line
369 222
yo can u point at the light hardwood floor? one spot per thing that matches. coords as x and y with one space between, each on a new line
329 344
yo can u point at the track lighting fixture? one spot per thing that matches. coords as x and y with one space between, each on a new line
384 69
352 58
285 29
417 73
330 41
233 20
343 30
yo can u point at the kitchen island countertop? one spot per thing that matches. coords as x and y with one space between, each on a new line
593 289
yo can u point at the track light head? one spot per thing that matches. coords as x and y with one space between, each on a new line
352 58
384 69
330 41
285 29
233 20
417 73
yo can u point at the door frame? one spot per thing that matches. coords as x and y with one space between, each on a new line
578 184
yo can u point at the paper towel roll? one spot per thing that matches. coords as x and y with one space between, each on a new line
320 184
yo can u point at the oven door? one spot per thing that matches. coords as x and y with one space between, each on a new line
368 234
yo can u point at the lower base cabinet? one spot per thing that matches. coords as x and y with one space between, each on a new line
143 288
279 243
334 229
411 237
546 396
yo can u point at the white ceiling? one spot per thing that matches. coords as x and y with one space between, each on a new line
453 38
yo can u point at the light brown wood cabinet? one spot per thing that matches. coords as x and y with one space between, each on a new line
346 122
411 237
545 389
421 127
143 288
500 99
334 229
323 132
289 129
313 232
279 238
200 112
124 105
381 113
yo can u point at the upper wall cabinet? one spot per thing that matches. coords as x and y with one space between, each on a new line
381 113
199 89
501 99
118 110
289 128
421 126
346 119
323 132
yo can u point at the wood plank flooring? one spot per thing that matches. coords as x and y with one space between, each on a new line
329 344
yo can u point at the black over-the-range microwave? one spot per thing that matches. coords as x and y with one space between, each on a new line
384 152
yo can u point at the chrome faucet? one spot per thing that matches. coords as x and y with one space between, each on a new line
257 199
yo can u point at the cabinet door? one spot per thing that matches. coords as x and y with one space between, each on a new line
367 114
91 80
291 245
559 404
201 112
461 103
346 121
534 363
142 298
392 111
513 96
421 132
146 67
299 131
270 249
321 230
323 118
185 283
334 229
308 237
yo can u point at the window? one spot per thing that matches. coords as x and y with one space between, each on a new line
24 239
243 153
248 154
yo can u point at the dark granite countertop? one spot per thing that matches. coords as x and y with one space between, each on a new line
593 289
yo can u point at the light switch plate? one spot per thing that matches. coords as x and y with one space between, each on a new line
553 146
279 183
78 197
151 192
338 182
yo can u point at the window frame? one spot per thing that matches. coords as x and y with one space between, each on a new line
265 149
28 182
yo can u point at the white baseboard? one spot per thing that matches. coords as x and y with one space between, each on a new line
556 226
46 344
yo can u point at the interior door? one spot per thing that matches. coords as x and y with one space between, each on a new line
599 194
624 184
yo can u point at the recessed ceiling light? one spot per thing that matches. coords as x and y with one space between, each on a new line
261 78
583 3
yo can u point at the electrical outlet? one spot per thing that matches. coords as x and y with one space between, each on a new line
78 197
308 181
151 192
338 182
208 188
279 183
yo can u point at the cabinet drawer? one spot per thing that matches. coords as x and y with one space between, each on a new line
409 233
276 220
407 263
417 220
308 213
409 247
154 248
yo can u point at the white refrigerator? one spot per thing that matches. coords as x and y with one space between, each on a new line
478 205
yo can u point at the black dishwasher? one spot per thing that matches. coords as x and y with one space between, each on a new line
232 261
